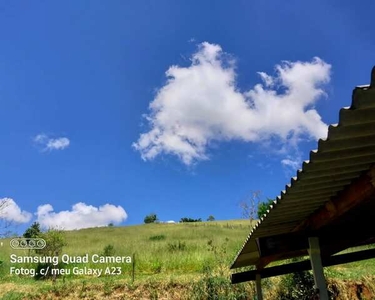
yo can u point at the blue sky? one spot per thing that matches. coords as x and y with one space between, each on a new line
181 108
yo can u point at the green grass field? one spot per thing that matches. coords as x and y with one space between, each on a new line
158 248
165 254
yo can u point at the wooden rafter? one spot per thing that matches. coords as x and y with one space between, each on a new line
358 192
292 244
302 266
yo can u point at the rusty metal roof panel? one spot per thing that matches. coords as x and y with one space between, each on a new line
348 150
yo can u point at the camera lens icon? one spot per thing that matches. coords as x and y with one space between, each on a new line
40 244
27 243
14 243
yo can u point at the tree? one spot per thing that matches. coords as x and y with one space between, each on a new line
4 223
211 218
3 204
186 220
249 206
33 231
151 218
55 241
263 207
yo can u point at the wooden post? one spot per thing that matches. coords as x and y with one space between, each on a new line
133 268
317 267
258 286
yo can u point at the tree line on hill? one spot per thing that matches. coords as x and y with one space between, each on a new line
152 218
250 209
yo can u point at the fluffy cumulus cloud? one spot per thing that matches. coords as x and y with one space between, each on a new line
50 144
11 212
201 103
81 216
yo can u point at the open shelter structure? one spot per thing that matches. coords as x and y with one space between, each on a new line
328 207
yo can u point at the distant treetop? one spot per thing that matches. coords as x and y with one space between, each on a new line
151 218
33 231
263 207
186 220
211 218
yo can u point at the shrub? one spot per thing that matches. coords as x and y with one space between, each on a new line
187 220
159 237
55 241
212 287
108 287
263 207
151 218
13 295
211 218
297 286
220 255
108 250
33 231
179 246
156 267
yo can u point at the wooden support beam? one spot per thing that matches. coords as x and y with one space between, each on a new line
317 267
358 192
258 286
282 243
271 271
335 237
302 266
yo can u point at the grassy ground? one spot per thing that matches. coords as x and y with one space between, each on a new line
178 259
159 248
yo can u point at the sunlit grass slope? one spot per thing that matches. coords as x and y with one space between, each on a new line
171 249
178 248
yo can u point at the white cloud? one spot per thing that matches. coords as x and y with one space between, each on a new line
167 222
81 216
57 144
48 143
41 138
294 164
10 211
201 103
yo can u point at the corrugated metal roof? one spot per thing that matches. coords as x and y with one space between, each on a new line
347 152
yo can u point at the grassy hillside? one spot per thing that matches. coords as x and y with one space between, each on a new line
172 255
158 248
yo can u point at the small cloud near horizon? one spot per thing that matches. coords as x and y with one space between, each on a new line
80 216
11 212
